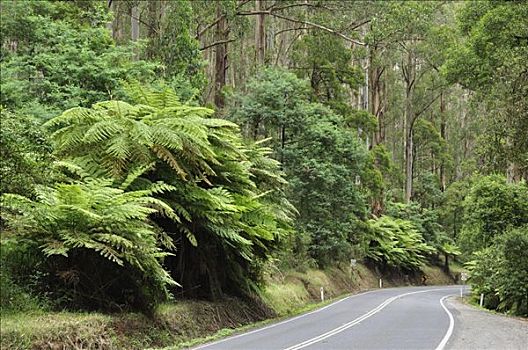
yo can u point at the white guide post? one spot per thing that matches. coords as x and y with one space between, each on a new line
322 294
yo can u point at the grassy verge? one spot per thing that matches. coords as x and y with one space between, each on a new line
172 324
188 323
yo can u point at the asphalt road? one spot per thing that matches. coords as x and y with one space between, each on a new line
392 318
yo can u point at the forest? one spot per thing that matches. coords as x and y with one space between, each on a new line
158 151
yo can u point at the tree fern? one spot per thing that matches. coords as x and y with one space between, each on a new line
92 215
397 243
225 198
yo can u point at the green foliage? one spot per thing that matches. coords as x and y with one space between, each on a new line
491 59
451 213
425 221
26 154
326 62
397 243
74 220
501 272
174 44
318 153
361 120
275 98
15 296
490 208
226 194
58 55
24 274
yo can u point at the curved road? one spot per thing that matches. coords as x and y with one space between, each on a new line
393 318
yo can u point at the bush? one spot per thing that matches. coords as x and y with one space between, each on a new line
98 240
396 243
26 154
491 207
20 275
501 272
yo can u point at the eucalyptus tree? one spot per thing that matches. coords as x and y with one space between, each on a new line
323 160
491 59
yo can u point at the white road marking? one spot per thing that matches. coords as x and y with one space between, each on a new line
449 332
360 319
283 322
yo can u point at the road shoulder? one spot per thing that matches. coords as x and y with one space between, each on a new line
478 329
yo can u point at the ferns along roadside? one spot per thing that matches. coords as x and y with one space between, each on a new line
163 191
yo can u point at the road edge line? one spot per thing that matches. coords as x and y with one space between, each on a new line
449 332
361 318
203 346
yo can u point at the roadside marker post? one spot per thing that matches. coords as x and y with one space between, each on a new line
463 277
322 294
380 283
353 263
481 299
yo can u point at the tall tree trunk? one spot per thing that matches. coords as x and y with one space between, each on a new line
111 9
260 34
221 34
375 91
116 25
134 23
153 21
444 137
410 76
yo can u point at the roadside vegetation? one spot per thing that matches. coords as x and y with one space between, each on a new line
168 171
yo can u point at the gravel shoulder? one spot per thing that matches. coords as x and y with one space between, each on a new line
478 329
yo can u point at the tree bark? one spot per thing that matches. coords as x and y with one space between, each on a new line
444 137
260 34
375 90
134 23
409 76
221 34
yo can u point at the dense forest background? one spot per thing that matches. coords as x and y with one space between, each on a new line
179 149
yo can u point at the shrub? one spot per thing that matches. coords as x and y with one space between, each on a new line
397 243
491 207
97 236
501 272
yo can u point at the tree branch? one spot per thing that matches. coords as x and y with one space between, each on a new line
356 25
318 26
145 23
209 26
216 43
218 19
288 30
426 107
272 8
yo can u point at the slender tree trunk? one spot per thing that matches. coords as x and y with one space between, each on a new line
260 34
375 94
221 34
134 23
408 124
444 137
110 24
116 24
446 263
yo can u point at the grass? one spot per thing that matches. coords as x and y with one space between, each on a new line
173 323
232 331
187 323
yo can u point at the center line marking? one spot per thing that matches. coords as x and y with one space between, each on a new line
364 317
